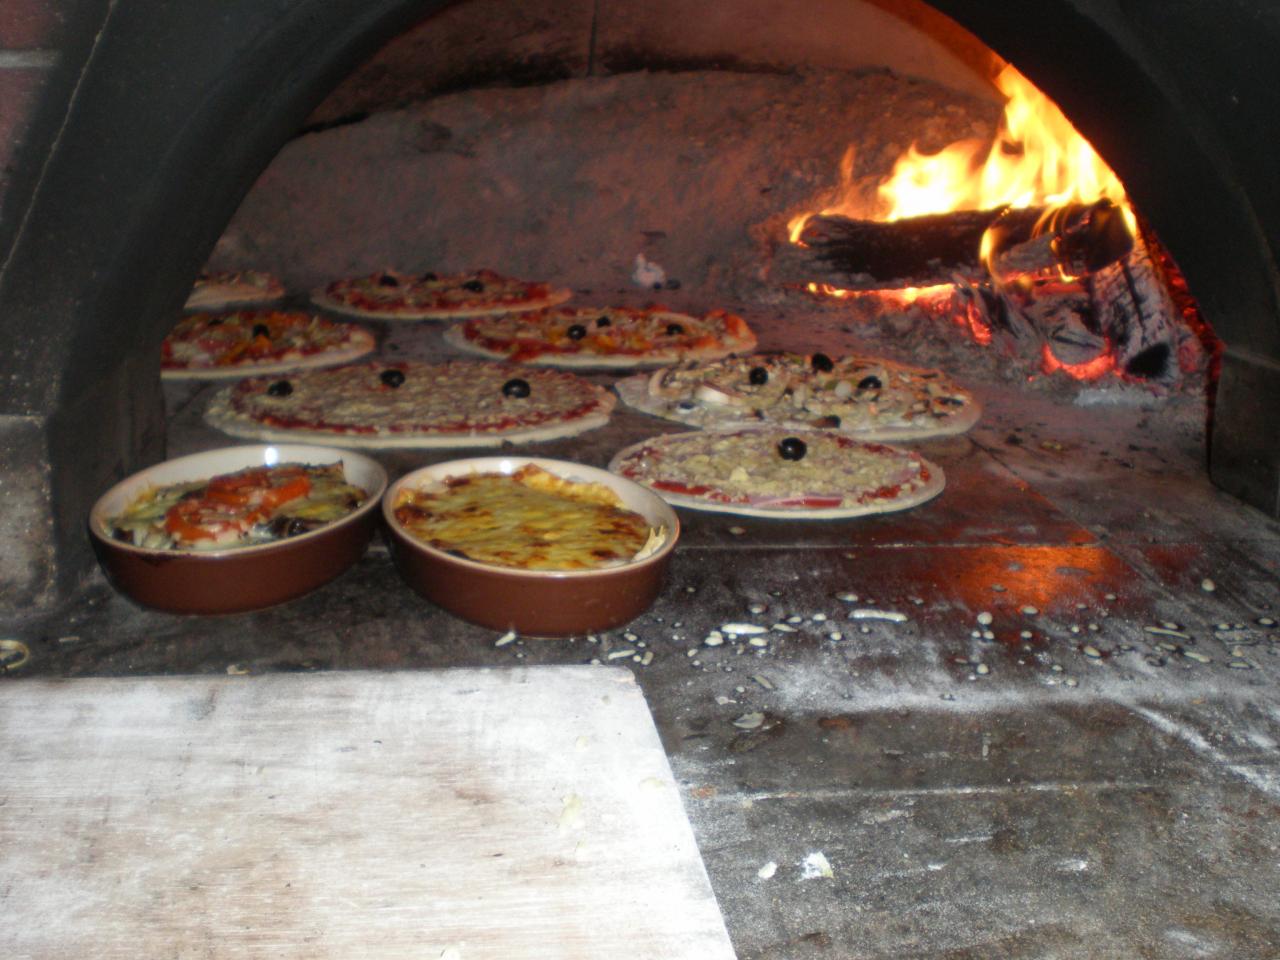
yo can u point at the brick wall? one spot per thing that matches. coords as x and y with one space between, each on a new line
31 33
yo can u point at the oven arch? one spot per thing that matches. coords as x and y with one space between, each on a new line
171 111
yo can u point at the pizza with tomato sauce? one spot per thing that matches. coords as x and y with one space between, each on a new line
459 403
215 290
865 396
604 337
771 472
252 506
391 295
242 342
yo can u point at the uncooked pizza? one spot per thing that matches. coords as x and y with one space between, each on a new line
461 403
604 337
225 288
243 342
868 397
772 472
391 295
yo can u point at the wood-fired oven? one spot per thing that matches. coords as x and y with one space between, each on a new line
155 122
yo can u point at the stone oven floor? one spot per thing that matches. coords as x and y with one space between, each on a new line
1067 781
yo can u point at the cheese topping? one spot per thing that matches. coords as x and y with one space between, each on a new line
851 393
747 467
610 332
251 506
248 337
459 397
530 520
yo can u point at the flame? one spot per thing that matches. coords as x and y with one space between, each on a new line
1036 158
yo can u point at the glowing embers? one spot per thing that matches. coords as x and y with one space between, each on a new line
1027 242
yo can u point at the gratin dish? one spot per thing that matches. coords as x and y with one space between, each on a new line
239 578
534 603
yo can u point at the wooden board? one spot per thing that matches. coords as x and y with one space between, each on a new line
459 814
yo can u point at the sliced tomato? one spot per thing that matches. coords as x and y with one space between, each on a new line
282 493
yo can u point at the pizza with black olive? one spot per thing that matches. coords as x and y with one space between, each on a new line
867 397
243 342
391 295
604 336
460 403
772 472
252 506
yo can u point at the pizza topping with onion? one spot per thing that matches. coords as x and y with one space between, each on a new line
766 470
251 506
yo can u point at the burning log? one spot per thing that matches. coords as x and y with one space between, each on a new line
1083 288
928 250
876 255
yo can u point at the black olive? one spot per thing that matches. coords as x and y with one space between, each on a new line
281 388
428 277
392 378
674 329
830 421
515 388
758 375
603 321
821 362
576 332
387 280
261 330
951 401
475 286
686 405
213 322
792 448
870 382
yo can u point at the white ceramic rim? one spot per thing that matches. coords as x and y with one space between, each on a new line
361 470
635 497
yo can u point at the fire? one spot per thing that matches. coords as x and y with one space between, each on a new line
1037 159
1100 365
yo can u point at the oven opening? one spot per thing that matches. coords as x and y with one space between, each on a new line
1051 674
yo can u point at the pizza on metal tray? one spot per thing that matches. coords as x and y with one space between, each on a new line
773 472
391 295
460 403
604 336
244 342
868 397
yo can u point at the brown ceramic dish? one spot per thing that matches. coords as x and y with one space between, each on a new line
534 603
236 579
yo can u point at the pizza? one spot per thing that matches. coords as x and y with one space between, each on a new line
240 342
603 337
459 403
252 506
530 520
774 472
390 295
224 288
871 398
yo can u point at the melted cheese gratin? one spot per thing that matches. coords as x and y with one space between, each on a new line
531 520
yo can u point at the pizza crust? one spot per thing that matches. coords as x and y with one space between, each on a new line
738 340
362 344
322 299
707 414
222 414
629 463
234 289
499 294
